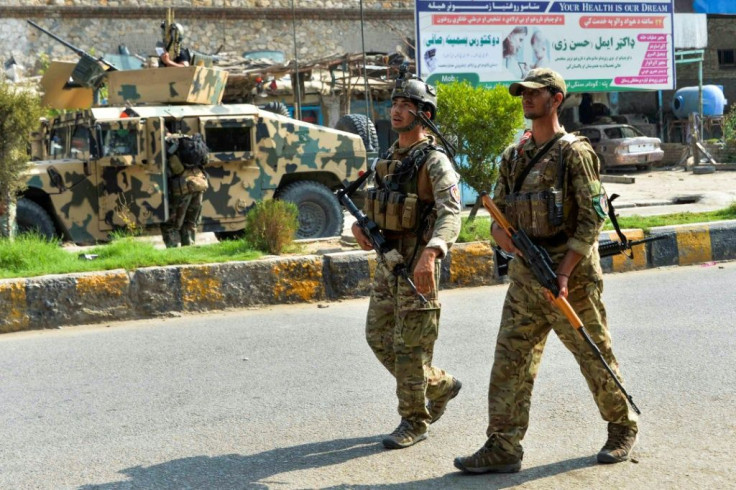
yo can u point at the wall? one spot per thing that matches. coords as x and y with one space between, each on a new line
323 27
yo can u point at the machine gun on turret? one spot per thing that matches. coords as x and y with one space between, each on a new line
88 72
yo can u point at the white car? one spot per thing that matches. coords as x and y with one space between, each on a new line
619 145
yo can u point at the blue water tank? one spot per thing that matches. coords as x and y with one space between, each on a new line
685 101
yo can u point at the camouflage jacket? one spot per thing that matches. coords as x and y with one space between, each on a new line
583 201
438 182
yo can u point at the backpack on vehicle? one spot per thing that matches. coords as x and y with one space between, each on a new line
192 151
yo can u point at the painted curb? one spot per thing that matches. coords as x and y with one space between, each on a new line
85 298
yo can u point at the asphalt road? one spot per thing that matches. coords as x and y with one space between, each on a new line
291 397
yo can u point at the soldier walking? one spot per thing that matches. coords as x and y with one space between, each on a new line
549 186
417 206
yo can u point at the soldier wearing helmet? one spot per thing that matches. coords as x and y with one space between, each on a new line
173 53
416 203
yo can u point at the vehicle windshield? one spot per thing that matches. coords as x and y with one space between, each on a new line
620 132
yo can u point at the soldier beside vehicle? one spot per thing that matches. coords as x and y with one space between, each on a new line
187 180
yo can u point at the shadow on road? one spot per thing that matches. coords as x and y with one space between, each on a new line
487 481
261 470
238 471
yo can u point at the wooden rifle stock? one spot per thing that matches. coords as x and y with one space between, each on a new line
541 265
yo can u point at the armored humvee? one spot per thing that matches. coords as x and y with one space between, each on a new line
103 168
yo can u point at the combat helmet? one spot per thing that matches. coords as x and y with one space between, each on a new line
416 89
174 28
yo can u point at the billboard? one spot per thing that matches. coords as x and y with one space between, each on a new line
597 46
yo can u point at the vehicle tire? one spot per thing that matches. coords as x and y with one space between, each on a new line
644 167
362 126
320 213
32 218
604 167
229 235
277 108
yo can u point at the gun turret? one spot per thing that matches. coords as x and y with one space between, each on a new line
88 72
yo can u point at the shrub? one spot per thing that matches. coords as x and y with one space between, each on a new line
271 225
484 121
19 114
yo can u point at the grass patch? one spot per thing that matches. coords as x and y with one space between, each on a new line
647 222
29 256
477 230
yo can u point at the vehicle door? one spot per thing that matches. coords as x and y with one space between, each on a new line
131 182
234 174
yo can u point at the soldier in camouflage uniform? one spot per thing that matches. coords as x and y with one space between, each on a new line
560 204
417 206
187 183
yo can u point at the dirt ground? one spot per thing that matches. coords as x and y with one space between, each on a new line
663 191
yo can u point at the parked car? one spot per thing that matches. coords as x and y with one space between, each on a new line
619 145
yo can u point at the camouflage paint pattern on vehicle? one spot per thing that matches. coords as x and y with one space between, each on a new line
188 85
111 168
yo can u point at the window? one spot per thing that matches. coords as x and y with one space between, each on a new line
58 143
727 59
119 141
80 143
592 134
228 139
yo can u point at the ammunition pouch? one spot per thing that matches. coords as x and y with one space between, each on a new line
190 181
392 210
176 168
539 214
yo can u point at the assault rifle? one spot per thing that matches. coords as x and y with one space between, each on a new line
373 232
88 72
541 265
606 249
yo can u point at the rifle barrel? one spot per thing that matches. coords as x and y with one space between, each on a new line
607 249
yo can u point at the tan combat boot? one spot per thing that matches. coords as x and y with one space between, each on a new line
491 458
621 440
437 407
405 435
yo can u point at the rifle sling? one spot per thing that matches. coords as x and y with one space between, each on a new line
614 219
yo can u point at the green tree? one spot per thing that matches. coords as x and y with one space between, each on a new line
20 111
484 122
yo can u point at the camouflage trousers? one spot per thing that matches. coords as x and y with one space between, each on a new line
526 321
402 331
184 212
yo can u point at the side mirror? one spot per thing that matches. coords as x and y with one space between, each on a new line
56 179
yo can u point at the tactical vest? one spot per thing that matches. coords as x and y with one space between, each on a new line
402 200
541 213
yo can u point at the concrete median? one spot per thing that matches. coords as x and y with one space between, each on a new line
87 298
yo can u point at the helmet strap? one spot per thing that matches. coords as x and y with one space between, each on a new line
409 127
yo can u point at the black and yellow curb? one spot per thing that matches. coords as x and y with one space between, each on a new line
95 297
